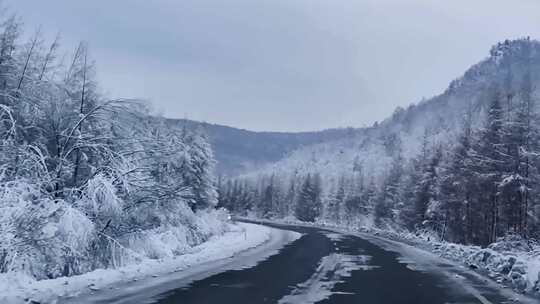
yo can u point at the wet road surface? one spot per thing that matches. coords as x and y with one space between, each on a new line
327 267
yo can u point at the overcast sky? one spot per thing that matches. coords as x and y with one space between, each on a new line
282 65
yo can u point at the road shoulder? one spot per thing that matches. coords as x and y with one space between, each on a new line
244 246
414 256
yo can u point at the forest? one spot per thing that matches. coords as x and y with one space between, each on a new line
87 182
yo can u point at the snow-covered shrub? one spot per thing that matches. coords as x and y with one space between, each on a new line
511 260
189 229
75 233
160 242
513 243
170 229
212 222
100 200
13 197
42 237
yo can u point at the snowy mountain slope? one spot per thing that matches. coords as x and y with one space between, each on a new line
239 151
434 121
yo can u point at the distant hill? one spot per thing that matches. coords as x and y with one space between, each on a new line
436 120
239 151
342 150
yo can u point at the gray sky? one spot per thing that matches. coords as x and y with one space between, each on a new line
282 65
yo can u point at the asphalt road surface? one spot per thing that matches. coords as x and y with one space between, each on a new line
328 267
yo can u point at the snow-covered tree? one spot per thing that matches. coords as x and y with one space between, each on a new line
309 204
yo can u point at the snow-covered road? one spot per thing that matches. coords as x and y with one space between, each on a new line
242 247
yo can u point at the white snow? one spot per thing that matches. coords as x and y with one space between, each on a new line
332 268
18 288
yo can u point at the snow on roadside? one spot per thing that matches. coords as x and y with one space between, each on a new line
504 261
18 288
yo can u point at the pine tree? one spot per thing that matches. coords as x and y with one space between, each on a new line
407 214
457 186
336 210
489 165
309 206
390 196
198 170
424 185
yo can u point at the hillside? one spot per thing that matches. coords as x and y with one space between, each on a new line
437 120
334 151
239 151
463 165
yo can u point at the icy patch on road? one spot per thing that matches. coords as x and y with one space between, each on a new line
331 270
335 236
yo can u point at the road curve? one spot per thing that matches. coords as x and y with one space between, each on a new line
328 267
324 266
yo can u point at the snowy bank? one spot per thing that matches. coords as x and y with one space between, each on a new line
18 288
512 262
